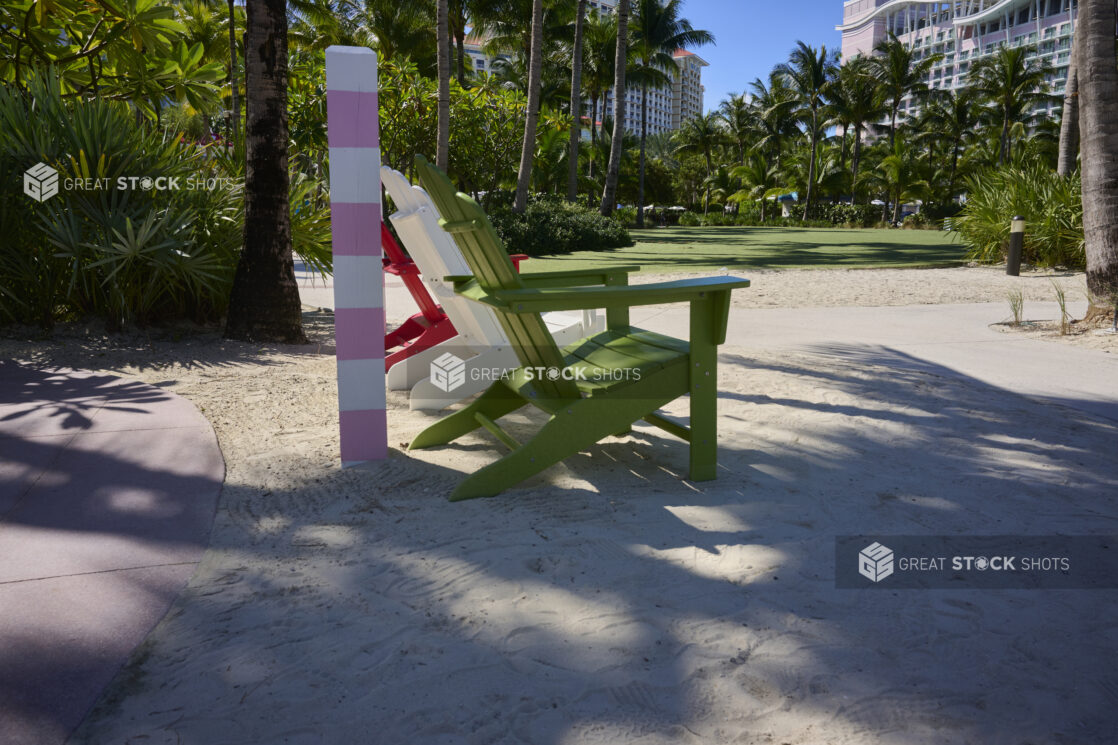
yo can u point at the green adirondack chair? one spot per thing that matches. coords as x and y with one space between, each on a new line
593 388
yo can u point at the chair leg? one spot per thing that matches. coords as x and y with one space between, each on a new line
571 429
704 423
497 401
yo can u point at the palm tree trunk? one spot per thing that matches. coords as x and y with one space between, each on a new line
854 165
460 45
593 134
594 120
811 166
457 8
528 147
264 302
1004 153
235 120
442 30
706 194
954 170
644 136
609 192
1098 122
1069 122
576 106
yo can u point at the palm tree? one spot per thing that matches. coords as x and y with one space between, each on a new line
600 46
216 31
899 74
458 19
528 148
702 134
264 302
1069 122
902 177
720 184
775 115
1098 129
442 30
1011 84
234 77
759 180
738 115
393 28
621 56
508 24
809 72
952 116
658 31
576 106
854 102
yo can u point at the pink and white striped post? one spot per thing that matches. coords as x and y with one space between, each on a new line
355 213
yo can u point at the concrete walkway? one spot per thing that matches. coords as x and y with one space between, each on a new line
108 489
944 339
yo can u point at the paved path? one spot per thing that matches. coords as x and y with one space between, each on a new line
108 489
945 339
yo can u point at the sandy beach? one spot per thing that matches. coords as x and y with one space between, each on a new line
609 599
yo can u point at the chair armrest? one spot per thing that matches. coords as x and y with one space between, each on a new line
579 277
709 298
565 278
584 298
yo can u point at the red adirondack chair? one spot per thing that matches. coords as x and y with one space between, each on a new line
430 325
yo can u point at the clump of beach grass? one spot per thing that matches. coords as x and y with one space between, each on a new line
1016 305
1061 299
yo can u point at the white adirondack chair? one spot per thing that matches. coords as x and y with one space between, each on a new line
479 334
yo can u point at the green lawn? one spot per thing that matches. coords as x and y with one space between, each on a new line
686 249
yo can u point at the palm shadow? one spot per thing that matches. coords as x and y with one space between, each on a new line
609 598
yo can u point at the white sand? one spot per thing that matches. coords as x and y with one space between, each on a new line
609 600
876 287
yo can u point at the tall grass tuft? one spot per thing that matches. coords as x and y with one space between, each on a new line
1062 300
1050 204
1016 305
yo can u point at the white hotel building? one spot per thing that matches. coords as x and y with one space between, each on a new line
963 31
667 108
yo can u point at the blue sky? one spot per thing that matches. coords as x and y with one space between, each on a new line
753 35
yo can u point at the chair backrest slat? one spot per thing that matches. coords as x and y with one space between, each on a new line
467 223
437 256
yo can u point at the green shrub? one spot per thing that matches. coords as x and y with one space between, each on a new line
937 212
134 254
853 215
551 226
1050 204
125 255
690 220
627 216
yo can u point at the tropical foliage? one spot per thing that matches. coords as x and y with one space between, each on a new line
1051 205
134 86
